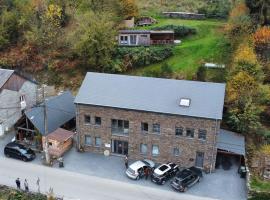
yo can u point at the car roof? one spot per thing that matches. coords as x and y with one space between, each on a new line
184 174
136 165
159 172
14 144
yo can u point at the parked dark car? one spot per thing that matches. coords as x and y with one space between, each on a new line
186 178
19 151
242 170
164 172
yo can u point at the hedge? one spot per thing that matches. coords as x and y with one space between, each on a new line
179 31
134 57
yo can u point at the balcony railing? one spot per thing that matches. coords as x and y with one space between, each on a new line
120 131
157 42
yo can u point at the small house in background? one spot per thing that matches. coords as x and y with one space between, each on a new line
128 23
145 37
60 114
17 94
59 141
184 15
146 21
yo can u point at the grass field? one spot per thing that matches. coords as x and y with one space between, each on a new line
260 185
208 45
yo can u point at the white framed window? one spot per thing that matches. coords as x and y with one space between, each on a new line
98 142
123 39
98 121
178 131
87 140
202 134
87 119
143 148
156 128
22 98
144 127
155 150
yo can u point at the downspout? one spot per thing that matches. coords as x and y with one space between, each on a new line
78 128
214 146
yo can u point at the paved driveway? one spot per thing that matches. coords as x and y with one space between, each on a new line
224 185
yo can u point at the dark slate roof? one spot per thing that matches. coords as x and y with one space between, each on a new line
134 31
145 31
153 94
231 142
5 74
60 109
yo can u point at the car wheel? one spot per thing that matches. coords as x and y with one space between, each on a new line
185 189
24 159
7 155
163 182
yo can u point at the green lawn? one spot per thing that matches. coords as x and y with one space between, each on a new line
260 185
208 45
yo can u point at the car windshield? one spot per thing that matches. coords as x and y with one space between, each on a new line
163 168
145 162
23 151
131 170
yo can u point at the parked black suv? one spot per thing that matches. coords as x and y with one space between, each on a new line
164 172
186 178
19 151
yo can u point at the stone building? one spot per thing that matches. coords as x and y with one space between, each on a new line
159 119
17 94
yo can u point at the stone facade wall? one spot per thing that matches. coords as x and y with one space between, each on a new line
166 140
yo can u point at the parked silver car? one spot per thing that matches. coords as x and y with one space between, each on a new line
136 170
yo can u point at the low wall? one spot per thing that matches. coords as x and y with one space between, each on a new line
184 15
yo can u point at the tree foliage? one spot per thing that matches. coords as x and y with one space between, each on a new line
94 40
262 36
128 8
260 10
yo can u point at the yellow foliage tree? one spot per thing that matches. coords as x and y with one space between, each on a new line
245 54
54 14
265 149
240 86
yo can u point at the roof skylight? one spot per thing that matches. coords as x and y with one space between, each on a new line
184 102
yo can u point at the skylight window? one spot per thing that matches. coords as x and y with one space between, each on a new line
184 102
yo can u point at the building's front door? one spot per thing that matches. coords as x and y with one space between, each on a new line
199 159
120 147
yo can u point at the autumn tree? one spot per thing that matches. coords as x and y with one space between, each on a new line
239 22
242 92
245 59
128 8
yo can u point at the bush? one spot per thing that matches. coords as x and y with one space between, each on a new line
179 31
133 57
216 9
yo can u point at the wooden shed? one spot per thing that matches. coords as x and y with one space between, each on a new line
59 141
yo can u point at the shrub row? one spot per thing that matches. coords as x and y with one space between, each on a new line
134 57
179 31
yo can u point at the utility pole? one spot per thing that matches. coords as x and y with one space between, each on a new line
46 149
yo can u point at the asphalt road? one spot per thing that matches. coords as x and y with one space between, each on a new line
81 187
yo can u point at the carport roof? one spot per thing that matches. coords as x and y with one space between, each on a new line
231 142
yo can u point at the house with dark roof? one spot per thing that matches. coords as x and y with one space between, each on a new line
159 119
60 114
145 37
17 94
